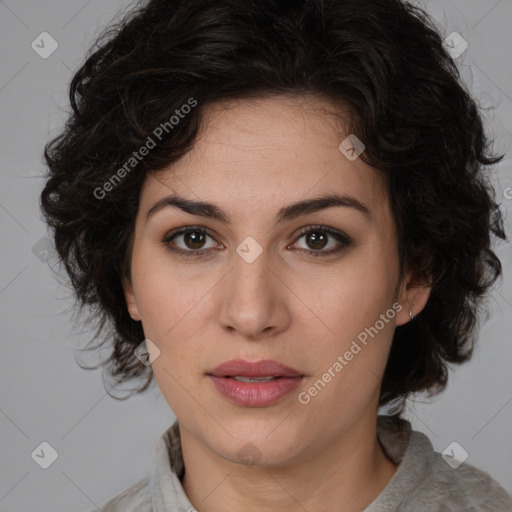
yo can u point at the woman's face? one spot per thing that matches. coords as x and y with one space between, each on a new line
255 287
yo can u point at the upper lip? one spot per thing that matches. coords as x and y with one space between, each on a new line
264 368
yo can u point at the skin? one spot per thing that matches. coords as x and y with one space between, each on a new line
251 158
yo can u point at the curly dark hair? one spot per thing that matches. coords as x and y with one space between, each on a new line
384 59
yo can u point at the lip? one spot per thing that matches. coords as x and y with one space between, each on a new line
254 394
264 368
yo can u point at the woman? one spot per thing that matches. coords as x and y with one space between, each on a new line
282 210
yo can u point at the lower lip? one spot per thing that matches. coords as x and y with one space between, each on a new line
255 394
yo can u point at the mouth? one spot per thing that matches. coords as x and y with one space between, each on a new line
241 378
254 384
247 371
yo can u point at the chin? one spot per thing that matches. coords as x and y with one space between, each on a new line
268 442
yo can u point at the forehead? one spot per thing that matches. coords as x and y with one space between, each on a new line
268 152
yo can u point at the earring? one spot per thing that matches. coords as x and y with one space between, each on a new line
410 314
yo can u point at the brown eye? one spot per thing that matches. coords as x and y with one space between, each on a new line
194 239
189 241
317 238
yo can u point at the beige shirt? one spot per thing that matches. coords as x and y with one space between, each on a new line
423 482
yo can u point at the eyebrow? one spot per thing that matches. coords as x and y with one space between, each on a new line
287 213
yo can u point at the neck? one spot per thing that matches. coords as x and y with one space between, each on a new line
346 475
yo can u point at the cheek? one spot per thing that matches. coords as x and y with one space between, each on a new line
171 377
352 295
351 306
350 370
164 292
172 307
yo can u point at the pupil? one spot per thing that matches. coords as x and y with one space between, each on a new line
195 236
315 238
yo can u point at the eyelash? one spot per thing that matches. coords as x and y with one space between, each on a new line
338 235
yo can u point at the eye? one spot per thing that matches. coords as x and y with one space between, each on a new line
193 240
318 237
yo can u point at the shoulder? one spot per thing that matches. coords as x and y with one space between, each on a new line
426 481
136 498
463 488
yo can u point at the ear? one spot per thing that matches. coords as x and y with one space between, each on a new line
130 300
413 296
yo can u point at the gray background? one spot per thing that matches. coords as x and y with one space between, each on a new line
104 445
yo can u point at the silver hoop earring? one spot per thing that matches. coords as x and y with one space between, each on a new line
410 314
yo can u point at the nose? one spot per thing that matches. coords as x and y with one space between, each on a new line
254 299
